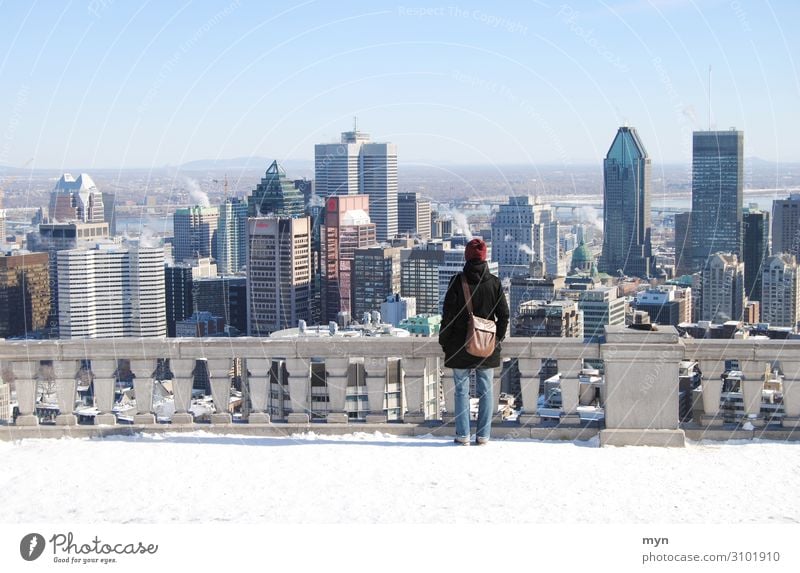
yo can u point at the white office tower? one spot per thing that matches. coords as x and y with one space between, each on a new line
232 236
278 273
780 304
111 291
76 200
195 231
358 166
722 295
524 232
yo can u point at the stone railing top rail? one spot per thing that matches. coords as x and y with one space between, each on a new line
621 343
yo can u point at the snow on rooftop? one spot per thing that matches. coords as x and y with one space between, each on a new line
367 478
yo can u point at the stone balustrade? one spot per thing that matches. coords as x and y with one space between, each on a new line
639 396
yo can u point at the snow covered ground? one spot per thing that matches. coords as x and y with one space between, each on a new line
364 478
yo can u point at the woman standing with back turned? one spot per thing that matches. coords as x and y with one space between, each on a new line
488 301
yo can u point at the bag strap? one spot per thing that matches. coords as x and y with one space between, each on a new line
467 293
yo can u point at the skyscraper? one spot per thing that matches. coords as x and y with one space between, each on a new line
24 293
232 236
195 232
626 207
276 195
76 200
755 247
786 225
683 243
358 166
178 295
717 184
524 231
110 211
414 215
347 227
111 291
376 275
780 304
278 273
419 275
722 288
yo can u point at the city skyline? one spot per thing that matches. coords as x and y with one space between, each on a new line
143 87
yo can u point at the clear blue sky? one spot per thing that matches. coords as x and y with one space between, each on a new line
107 83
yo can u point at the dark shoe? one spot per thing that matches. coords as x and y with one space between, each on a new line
462 441
481 441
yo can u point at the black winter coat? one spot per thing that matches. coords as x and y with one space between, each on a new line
488 301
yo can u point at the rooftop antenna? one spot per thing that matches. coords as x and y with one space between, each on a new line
709 97
355 123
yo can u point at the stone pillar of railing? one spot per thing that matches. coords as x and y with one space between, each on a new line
258 382
104 384
25 373
182 382
754 374
143 388
712 391
529 384
336 370
497 384
641 370
415 371
299 370
791 394
449 391
570 369
375 371
219 374
65 372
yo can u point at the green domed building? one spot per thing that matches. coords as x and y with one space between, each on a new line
582 260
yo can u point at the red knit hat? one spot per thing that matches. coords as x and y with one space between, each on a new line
476 250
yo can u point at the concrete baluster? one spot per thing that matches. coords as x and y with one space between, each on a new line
791 394
258 382
104 385
415 372
182 381
712 391
299 370
529 384
65 372
752 389
449 391
25 374
570 369
375 370
219 373
143 388
336 370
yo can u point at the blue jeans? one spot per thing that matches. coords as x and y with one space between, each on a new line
483 379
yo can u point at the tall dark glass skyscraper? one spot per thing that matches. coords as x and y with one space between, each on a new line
755 246
717 178
626 207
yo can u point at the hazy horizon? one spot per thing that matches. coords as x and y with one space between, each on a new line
112 85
